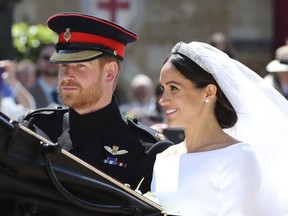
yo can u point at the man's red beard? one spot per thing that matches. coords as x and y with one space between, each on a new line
80 98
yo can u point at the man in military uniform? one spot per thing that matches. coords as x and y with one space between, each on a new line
89 53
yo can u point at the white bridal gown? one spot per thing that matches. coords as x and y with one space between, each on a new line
219 182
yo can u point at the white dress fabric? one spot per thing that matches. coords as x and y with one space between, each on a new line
206 183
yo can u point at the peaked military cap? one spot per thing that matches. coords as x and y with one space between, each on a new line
83 37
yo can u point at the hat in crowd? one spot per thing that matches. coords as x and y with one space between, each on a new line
83 37
141 80
280 64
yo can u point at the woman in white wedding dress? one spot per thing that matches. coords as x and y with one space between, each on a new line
234 156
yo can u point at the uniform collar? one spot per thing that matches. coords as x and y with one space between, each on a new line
102 119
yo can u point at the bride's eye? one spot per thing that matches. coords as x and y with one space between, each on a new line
173 88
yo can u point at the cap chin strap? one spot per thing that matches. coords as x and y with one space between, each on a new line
84 46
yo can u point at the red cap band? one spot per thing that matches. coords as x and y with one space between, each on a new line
79 37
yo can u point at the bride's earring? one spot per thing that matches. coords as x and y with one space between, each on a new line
206 100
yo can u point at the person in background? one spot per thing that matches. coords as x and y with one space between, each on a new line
143 103
26 73
21 101
156 119
220 41
278 71
233 160
45 90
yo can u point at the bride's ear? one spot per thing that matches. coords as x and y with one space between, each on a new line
210 92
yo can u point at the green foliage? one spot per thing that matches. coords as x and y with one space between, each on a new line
26 39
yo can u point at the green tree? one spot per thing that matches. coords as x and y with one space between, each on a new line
26 39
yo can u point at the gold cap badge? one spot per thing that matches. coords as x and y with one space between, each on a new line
67 35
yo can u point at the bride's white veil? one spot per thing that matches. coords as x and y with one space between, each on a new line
262 116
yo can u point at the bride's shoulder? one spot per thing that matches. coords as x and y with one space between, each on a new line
173 150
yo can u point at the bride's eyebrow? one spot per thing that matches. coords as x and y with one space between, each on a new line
172 82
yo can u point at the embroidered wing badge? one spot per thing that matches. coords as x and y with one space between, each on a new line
115 150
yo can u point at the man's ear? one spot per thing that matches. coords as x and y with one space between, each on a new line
112 70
